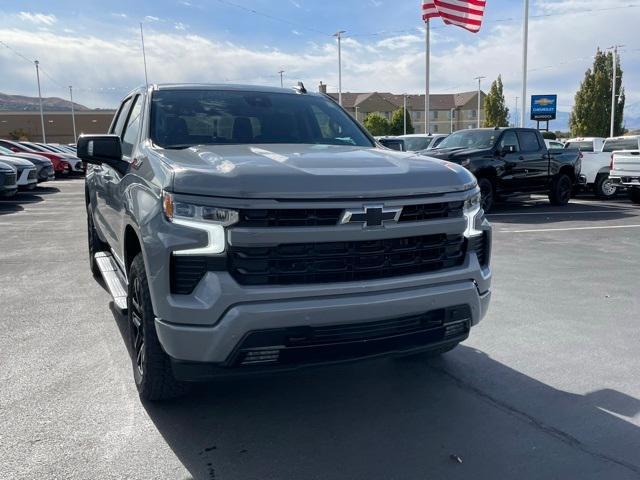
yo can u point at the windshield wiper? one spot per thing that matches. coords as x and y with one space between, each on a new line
178 146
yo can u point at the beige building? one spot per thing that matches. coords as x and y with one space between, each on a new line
448 111
58 125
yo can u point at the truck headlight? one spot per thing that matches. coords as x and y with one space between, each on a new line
212 220
471 209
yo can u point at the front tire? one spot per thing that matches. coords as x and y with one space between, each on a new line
604 188
151 365
94 243
487 193
634 195
561 189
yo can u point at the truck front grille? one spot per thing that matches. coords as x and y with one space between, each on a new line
10 179
305 263
317 217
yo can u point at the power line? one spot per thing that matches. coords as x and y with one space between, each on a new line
273 17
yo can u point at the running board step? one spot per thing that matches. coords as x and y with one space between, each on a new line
112 277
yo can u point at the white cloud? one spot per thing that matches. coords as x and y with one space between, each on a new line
38 18
151 18
295 3
180 26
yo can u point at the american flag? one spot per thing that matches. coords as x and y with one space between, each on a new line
463 13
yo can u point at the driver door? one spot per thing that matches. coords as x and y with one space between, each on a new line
513 175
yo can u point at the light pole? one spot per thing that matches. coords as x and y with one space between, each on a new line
404 113
515 115
44 137
479 80
144 57
525 40
356 113
451 120
73 115
281 81
338 35
613 87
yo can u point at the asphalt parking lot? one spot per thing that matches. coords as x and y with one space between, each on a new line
546 387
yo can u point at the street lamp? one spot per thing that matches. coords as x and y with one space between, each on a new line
338 35
44 137
479 80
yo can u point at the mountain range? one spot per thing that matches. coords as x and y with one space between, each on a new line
29 104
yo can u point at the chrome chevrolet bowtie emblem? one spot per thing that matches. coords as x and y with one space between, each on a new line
371 216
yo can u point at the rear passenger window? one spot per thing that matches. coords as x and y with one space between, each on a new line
528 141
133 127
122 117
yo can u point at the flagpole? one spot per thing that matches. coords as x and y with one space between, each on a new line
525 40
426 85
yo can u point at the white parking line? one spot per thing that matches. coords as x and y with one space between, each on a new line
569 229
616 209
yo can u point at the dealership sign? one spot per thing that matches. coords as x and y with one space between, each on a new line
543 107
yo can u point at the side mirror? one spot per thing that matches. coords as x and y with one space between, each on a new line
99 149
507 149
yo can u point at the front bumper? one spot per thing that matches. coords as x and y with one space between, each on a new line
218 345
27 179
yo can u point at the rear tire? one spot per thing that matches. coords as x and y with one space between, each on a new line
634 195
604 188
95 244
151 365
561 188
487 193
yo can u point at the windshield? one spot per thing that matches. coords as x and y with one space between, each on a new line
413 144
470 139
620 144
183 118
32 147
5 151
584 146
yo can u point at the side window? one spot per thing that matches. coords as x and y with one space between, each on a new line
528 141
133 127
509 138
122 116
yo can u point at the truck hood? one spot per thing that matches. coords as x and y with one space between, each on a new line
454 154
309 171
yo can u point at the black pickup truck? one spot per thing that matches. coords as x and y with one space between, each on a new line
512 161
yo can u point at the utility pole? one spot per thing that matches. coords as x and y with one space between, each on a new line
338 35
515 114
73 115
613 87
44 137
479 80
525 40
144 57
404 113
281 80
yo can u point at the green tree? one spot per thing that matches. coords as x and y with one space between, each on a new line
549 135
396 126
496 111
19 134
376 124
591 115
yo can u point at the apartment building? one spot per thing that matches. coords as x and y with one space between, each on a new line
448 111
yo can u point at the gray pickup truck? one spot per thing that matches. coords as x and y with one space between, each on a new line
251 229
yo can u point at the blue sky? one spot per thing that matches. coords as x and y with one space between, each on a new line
95 45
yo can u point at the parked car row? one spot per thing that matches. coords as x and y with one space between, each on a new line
25 164
414 142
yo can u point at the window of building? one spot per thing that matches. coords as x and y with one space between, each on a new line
435 129
433 114
473 113
416 114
